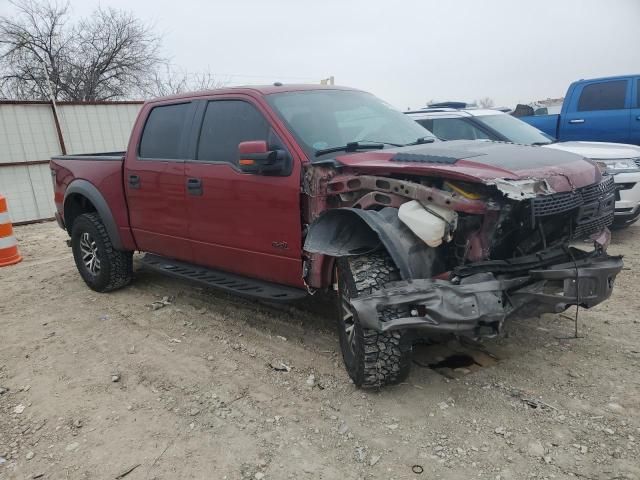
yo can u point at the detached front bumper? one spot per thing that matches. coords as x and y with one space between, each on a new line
479 303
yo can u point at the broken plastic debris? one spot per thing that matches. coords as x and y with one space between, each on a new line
522 189
602 238
280 366
158 304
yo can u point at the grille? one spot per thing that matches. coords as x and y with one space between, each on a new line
552 204
594 207
593 192
562 202
593 226
421 158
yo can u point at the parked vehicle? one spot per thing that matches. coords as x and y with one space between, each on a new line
599 109
620 160
274 192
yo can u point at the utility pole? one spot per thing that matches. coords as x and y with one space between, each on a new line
54 108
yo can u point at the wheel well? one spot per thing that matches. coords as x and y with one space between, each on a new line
74 206
343 232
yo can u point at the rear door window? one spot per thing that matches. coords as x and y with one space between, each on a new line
227 123
603 96
162 135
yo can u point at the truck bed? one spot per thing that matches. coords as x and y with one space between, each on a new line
102 173
92 156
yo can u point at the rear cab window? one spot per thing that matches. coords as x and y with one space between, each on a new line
609 95
163 132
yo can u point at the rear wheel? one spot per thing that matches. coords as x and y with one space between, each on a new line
372 358
101 266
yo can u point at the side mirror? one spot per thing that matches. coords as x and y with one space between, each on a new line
255 157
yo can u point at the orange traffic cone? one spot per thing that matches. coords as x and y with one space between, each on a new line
8 244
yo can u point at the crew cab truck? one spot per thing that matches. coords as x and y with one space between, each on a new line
599 109
276 192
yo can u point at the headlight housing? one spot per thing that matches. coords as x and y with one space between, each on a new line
620 165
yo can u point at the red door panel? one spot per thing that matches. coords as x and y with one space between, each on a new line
157 207
246 224
242 223
154 179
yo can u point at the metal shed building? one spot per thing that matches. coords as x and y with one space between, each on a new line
31 132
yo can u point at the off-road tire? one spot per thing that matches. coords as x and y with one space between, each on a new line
116 267
373 359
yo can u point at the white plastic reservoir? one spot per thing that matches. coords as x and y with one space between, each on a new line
432 228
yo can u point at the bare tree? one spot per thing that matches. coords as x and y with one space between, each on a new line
171 81
109 55
486 102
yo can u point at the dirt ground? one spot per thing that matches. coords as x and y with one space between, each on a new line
93 385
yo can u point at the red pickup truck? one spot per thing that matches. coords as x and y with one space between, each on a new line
275 192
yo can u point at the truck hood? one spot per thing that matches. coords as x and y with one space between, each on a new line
598 150
484 162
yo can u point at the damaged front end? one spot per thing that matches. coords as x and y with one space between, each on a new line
478 304
470 255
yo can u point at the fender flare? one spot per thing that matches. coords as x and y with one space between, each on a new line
91 193
344 232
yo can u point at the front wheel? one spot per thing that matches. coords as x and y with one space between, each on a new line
372 358
101 266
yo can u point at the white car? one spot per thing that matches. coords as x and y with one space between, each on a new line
620 160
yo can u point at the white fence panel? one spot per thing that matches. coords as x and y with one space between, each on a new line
29 192
97 128
28 136
27 133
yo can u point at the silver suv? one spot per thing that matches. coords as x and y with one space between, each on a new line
619 159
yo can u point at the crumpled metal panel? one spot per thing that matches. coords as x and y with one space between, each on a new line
342 232
480 303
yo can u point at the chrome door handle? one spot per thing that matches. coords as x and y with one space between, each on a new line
638 117
577 120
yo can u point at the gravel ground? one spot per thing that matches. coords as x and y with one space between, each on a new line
212 386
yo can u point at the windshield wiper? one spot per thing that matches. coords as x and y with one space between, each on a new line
370 145
421 141
353 146
537 144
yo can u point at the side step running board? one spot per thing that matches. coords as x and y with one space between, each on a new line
229 282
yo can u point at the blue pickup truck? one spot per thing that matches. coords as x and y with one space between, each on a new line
600 109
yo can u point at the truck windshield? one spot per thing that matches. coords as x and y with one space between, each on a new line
514 130
325 119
